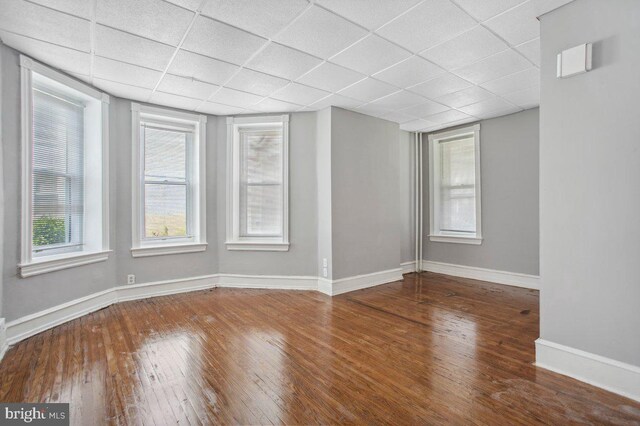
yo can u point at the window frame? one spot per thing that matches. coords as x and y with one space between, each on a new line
436 234
195 185
96 216
234 239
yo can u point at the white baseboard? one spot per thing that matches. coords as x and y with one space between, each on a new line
408 267
596 370
345 285
3 339
499 277
165 288
279 282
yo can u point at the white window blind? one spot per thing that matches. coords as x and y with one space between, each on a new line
457 185
261 188
57 173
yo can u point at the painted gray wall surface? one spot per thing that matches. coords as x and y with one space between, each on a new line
590 182
323 173
407 166
510 209
365 201
1 184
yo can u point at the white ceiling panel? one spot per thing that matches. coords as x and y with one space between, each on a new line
399 100
368 13
274 105
498 112
154 19
125 47
201 67
368 90
425 109
398 117
222 41
374 110
235 98
219 109
465 49
448 117
81 8
283 61
299 94
132 75
465 97
68 60
496 66
486 106
531 49
175 101
44 24
189 87
256 82
514 82
187 4
320 33
262 17
416 125
440 86
517 25
330 77
410 72
485 9
427 25
123 90
527 98
335 100
371 55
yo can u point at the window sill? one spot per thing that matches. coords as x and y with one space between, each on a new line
160 250
257 245
459 239
44 265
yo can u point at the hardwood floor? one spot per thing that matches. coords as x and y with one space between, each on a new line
427 350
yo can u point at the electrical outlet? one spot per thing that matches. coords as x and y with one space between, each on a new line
325 272
131 279
325 263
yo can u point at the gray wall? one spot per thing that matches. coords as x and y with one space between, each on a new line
1 184
323 173
590 182
509 176
365 201
407 167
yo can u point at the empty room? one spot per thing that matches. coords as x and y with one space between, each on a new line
251 212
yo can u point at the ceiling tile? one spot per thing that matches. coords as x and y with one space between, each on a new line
274 105
465 49
201 67
429 24
416 125
262 17
235 98
175 101
527 98
485 9
115 44
425 109
517 25
335 100
498 112
299 94
410 72
399 100
192 88
465 97
514 82
68 60
496 66
218 109
256 82
41 23
81 8
122 90
283 61
368 13
187 4
367 90
486 106
320 33
125 73
154 19
398 117
531 49
221 41
370 55
447 116
330 77
373 110
440 86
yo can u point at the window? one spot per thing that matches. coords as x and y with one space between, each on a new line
64 171
169 181
257 154
454 196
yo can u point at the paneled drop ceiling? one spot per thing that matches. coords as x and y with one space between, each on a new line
426 64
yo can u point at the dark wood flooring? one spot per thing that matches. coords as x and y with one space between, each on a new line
427 350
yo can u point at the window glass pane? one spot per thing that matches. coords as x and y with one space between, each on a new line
262 207
457 191
165 208
165 153
58 169
261 156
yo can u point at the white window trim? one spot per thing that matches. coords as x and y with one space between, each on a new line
142 248
28 265
265 243
434 228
